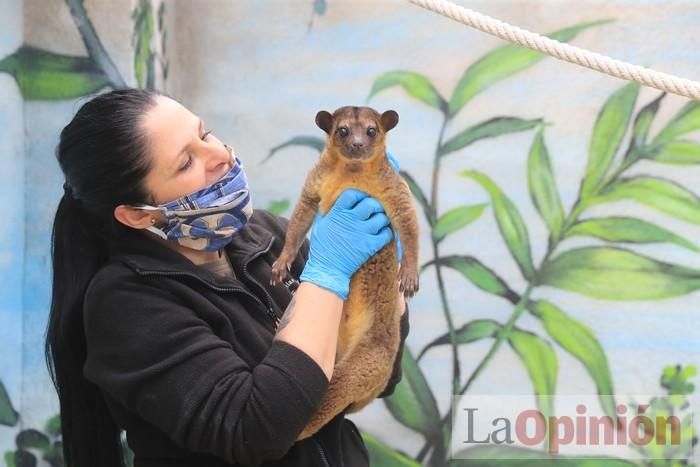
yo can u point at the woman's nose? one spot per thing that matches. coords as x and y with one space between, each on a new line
218 157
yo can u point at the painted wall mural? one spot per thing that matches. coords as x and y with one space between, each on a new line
560 214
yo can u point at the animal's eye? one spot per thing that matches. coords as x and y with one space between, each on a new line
371 132
343 132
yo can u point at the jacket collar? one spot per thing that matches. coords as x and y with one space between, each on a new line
144 253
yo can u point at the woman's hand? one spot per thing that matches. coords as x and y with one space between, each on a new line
352 231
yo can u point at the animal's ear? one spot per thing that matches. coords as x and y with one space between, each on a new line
389 120
324 120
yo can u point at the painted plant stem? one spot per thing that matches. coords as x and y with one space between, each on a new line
456 373
94 47
502 335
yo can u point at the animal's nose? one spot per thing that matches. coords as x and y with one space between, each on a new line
357 144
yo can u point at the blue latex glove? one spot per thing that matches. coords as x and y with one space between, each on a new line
392 160
352 231
395 164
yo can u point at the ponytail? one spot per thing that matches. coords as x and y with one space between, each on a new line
103 154
78 249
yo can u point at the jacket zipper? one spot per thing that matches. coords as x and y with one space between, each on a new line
270 313
322 452
270 309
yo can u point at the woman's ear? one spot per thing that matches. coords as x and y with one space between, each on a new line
136 218
324 120
389 120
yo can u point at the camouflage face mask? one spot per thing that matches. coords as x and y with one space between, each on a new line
207 219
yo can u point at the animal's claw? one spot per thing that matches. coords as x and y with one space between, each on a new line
408 282
280 271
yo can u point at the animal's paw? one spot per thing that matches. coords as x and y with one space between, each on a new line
280 270
408 281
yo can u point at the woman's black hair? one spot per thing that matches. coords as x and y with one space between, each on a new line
103 155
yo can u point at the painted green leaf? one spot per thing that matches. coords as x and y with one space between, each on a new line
8 414
689 436
496 456
675 379
54 456
510 223
503 63
610 127
469 332
665 195
420 196
382 455
412 404
686 120
33 439
681 152
442 450
10 459
540 361
415 84
278 207
488 129
43 75
578 340
163 41
24 458
53 426
320 7
313 142
627 230
455 219
543 187
642 123
648 151
477 273
151 73
144 26
688 372
161 15
617 274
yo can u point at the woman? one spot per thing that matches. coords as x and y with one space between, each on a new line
163 322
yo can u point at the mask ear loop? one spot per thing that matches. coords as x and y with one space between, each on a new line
234 159
158 232
153 228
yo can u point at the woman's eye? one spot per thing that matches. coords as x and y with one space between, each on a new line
188 164
204 136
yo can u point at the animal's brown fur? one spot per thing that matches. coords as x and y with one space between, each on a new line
368 336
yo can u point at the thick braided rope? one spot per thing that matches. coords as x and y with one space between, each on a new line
569 53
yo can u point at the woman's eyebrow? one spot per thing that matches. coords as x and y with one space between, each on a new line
177 157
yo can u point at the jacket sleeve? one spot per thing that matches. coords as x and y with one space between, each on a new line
396 373
153 354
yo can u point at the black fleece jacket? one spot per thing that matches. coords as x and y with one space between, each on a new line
187 363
